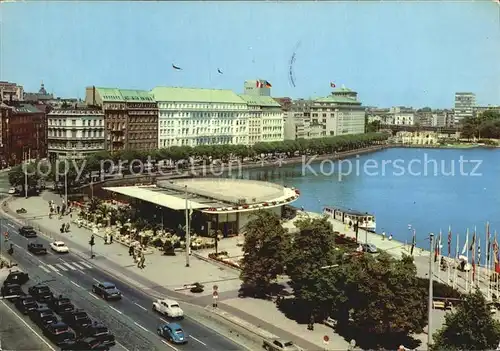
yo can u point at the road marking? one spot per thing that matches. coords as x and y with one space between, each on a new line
140 326
166 343
95 297
69 266
81 272
17 245
75 284
85 264
43 268
163 320
201 342
29 327
96 280
29 253
53 268
123 347
120 312
60 266
145 309
77 265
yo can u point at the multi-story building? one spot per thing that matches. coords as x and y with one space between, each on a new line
424 117
193 116
403 115
465 103
478 110
75 133
130 117
42 95
23 129
338 114
265 119
296 115
382 115
11 92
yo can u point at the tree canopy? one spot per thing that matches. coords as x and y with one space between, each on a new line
486 125
470 327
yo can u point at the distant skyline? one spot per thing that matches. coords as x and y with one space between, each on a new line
392 53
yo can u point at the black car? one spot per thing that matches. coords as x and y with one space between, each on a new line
41 293
107 291
88 343
59 333
61 305
16 277
100 332
78 320
26 304
27 232
37 249
43 316
12 292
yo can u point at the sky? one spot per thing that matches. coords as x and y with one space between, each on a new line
392 53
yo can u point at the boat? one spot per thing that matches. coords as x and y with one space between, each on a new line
347 215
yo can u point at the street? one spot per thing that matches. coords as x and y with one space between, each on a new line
130 319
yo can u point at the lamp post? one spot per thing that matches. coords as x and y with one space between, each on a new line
188 234
429 307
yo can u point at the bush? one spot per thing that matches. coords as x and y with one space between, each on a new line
439 289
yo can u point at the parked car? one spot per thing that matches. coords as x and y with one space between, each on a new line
329 321
59 247
169 308
61 305
370 248
12 292
78 320
12 191
172 332
16 276
41 293
43 316
279 345
27 232
107 291
37 249
85 344
100 332
59 333
25 304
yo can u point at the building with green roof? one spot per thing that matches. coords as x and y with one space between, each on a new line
265 122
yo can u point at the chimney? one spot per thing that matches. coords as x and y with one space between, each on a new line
93 95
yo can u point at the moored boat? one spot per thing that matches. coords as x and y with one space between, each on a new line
349 216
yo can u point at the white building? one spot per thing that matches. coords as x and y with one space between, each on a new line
464 105
403 116
192 117
11 91
265 119
75 133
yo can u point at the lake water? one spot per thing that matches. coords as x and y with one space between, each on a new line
458 187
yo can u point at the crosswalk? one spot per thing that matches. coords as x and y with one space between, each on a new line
65 266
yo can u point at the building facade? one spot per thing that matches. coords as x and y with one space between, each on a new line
383 115
11 91
75 133
265 119
192 117
465 102
130 117
338 114
24 132
403 116
296 116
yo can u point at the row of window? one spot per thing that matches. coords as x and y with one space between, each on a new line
76 145
212 106
76 134
75 122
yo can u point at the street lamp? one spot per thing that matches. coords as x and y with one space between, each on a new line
429 310
188 234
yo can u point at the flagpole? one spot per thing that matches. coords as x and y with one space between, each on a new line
487 265
467 273
457 263
449 254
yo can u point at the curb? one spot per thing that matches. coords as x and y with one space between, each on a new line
215 262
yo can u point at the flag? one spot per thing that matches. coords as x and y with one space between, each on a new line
495 252
268 85
473 249
489 241
479 251
449 241
473 243
259 84
466 245
332 84
414 242
436 248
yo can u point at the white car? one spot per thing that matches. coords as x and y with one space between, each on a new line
12 191
168 308
59 247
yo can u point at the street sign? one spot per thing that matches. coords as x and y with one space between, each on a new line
326 339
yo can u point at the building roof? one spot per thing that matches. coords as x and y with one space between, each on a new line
23 108
175 94
343 90
124 95
266 101
338 100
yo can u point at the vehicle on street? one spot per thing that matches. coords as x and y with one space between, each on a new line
168 308
172 332
12 292
370 248
61 305
41 293
107 291
26 304
43 316
37 249
85 344
59 247
100 332
59 333
16 276
329 321
279 345
78 320
27 232
12 191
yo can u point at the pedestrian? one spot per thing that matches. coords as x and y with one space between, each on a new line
142 261
58 209
111 238
383 235
130 250
390 236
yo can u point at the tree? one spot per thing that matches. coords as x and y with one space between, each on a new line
470 327
265 249
17 175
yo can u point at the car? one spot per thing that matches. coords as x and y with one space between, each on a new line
279 345
25 304
59 333
37 249
12 191
43 316
16 276
12 292
77 319
61 305
59 247
370 248
41 293
107 291
27 232
88 343
172 332
168 308
100 332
